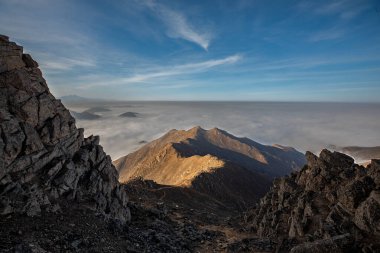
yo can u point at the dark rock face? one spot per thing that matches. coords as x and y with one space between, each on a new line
332 202
44 158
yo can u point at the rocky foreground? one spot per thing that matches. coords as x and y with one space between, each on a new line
59 192
332 204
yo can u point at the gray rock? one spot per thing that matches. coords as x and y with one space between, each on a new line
29 62
328 198
367 215
336 244
43 156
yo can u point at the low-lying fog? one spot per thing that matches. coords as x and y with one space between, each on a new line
305 126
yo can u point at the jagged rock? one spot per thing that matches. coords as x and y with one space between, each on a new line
374 170
330 197
367 215
44 158
29 62
11 55
336 244
355 192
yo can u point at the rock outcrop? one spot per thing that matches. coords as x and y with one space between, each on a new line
332 203
44 158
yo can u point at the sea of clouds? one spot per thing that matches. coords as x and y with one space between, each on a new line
304 126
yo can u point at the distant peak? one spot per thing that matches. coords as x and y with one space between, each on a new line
196 128
218 130
212 130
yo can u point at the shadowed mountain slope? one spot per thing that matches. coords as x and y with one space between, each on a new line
207 149
211 161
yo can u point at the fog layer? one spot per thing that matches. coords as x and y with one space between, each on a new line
304 126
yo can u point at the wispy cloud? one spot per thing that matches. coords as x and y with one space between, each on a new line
329 34
62 63
178 26
56 45
345 9
189 68
342 12
331 7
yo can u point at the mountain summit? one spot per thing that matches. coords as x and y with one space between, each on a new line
211 161
185 154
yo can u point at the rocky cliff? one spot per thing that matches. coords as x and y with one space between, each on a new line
332 204
44 158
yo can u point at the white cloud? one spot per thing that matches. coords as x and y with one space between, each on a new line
305 126
66 64
160 72
344 8
178 26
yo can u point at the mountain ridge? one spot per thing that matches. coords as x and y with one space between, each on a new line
214 162
218 143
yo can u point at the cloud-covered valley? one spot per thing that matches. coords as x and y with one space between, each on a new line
305 126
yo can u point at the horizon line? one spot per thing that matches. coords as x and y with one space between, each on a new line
92 99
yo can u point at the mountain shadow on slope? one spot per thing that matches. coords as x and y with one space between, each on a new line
236 171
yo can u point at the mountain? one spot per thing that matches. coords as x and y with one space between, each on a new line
46 164
76 99
129 115
332 204
85 115
97 109
232 170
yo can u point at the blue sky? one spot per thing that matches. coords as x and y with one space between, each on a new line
202 50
